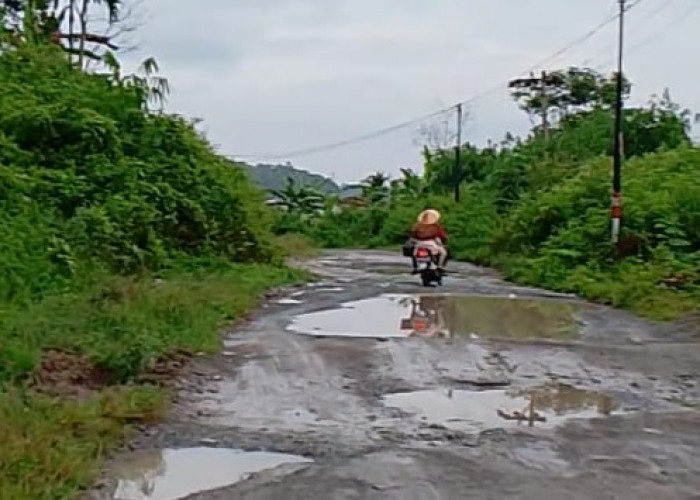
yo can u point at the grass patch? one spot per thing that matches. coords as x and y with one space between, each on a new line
123 323
52 446
297 245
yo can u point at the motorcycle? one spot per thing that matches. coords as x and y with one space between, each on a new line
427 264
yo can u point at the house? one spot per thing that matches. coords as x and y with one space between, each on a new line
277 203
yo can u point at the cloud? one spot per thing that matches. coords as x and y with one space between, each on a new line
270 76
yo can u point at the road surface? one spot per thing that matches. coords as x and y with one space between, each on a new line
373 387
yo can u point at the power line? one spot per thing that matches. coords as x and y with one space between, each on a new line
383 131
676 21
659 33
610 47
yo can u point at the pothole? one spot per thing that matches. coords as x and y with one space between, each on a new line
547 406
471 316
289 301
175 473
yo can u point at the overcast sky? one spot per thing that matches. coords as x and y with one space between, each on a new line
272 76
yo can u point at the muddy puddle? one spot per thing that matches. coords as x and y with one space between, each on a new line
472 316
175 473
546 406
289 301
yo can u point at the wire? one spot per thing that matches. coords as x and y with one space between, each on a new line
611 47
664 31
383 131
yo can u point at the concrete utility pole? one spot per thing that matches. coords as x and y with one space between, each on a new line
616 202
545 106
457 174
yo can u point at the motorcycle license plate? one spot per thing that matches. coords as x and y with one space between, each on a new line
422 265
420 325
422 253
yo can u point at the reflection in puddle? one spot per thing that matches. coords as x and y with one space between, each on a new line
443 315
474 411
175 473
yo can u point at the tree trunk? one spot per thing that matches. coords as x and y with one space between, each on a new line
71 29
83 30
30 22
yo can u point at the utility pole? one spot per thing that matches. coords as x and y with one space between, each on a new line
616 202
545 106
457 174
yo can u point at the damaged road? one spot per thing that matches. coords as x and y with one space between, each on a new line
365 385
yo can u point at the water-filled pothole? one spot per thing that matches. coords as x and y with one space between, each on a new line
390 315
547 405
289 301
175 473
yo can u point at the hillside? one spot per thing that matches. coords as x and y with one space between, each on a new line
274 178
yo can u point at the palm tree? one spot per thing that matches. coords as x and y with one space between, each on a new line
374 188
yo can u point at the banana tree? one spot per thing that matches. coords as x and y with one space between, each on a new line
152 88
303 200
375 188
410 185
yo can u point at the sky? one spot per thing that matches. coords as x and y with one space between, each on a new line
268 77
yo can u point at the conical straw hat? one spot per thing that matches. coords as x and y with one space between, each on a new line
429 216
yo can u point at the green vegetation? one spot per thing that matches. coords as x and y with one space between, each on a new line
126 240
538 208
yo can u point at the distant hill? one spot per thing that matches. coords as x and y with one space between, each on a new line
274 178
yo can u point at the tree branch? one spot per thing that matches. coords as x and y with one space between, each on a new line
89 37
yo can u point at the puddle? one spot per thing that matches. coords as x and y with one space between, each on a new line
175 473
476 411
289 301
470 316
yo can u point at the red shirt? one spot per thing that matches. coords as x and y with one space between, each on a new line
428 232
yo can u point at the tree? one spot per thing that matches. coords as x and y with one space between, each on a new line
62 22
375 189
440 132
439 166
557 94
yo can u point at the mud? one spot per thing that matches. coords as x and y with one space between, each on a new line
67 374
333 376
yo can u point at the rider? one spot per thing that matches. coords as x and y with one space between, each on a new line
430 234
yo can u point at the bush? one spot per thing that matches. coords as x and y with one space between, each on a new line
104 184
